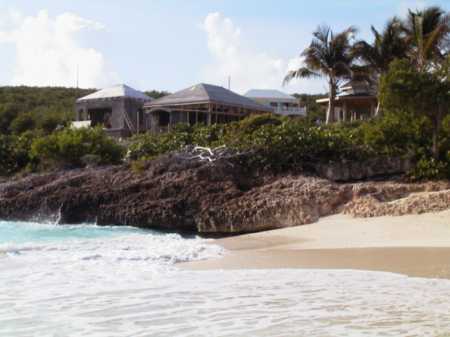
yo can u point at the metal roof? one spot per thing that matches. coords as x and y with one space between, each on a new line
207 93
120 90
269 94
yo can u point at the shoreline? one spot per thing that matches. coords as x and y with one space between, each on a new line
414 245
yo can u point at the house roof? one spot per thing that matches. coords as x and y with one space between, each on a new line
120 90
269 94
207 93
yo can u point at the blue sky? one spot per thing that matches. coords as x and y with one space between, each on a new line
171 44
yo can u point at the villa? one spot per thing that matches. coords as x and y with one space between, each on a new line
123 111
281 103
200 104
117 109
355 100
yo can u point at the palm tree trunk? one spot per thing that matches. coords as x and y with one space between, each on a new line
331 103
378 109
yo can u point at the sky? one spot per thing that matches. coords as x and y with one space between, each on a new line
173 44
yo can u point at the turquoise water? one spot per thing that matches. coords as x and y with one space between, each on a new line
90 281
23 232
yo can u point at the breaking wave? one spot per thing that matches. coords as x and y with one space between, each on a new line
104 281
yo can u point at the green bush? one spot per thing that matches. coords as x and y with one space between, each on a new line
211 136
430 168
285 144
67 148
148 146
22 123
396 134
253 123
277 143
15 152
295 144
8 161
49 123
424 95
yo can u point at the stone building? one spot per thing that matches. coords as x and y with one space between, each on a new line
200 104
117 109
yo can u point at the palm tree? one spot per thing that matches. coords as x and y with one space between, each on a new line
329 55
387 46
428 33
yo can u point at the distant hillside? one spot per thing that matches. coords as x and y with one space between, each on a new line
27 108
156 93
23 108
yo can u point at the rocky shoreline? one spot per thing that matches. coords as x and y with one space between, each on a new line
209 197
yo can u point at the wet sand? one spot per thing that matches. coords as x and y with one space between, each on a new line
415 245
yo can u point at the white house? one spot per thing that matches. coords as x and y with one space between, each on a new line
281 103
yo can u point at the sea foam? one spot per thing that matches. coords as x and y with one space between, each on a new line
127 284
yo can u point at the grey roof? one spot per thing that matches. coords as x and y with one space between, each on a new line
268 94
356 88
207 93
120 90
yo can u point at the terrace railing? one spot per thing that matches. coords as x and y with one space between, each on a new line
285 111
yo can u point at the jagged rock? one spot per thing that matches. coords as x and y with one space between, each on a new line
415 203
223 196
376 167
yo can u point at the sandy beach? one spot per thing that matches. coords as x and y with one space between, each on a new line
415 245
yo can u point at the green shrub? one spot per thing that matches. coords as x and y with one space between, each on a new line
254 122
49 123
288 144
149 145
67 148
15 152
423 94
22 123
396 134
8 161
210 136
430 168
8 112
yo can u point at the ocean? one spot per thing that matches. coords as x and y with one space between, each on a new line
121 281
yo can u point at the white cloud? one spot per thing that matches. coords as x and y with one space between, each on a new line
48 51
248 68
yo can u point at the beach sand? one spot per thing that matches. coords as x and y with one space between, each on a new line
415 245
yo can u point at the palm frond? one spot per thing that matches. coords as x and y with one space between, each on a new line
302 72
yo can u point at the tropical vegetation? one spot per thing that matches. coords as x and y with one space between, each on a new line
408 61
329 55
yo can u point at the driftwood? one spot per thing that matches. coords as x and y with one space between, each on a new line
208 154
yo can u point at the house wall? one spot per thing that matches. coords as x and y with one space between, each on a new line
282 106
118 107
134 108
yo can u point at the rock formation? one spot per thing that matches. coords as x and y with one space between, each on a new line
222 196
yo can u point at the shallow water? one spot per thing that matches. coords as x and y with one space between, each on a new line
92 281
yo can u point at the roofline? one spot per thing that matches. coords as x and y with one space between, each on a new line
342 98
152 105
80 100
274 98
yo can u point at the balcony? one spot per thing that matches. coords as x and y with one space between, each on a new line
290 111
